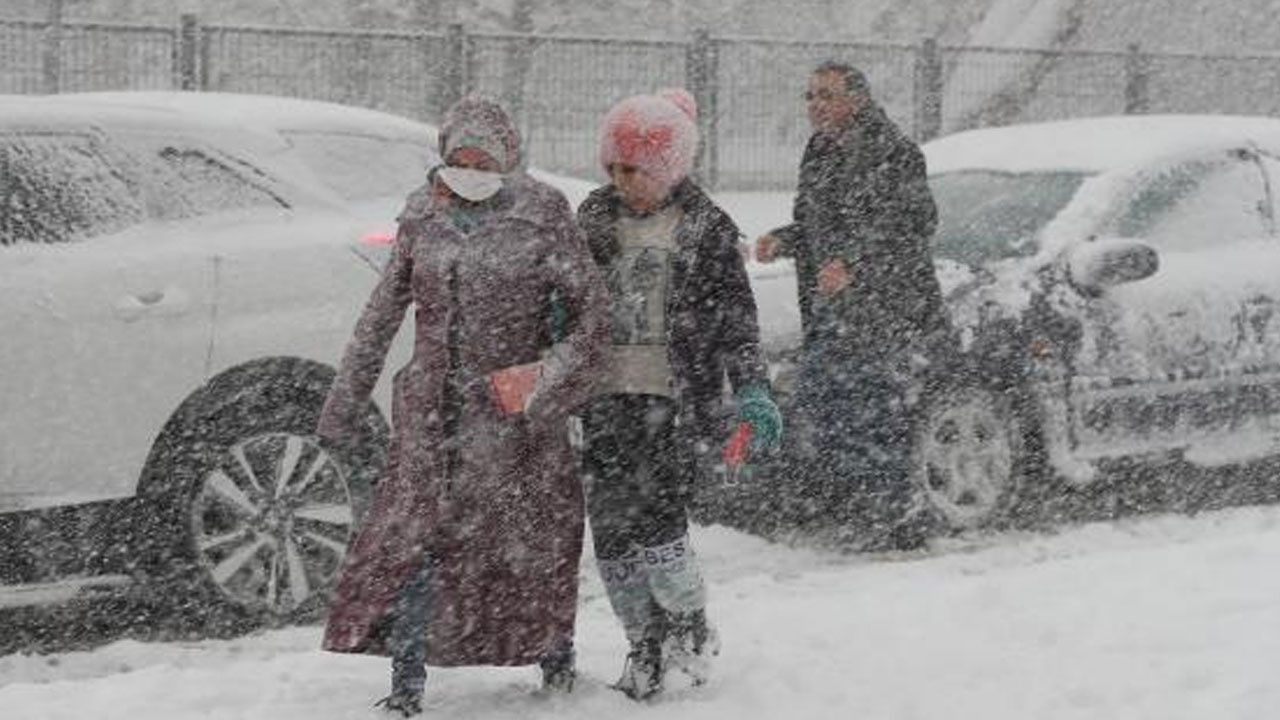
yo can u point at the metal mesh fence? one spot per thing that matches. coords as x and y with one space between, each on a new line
997 87
398 73
1078 84
973 77
1198 84
21 57
36 58
560 89
117 57
987 86
760 120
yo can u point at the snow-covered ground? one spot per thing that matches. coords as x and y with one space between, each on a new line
1161 618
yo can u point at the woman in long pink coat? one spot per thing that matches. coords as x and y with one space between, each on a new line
469 552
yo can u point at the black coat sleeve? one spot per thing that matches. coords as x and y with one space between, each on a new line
891 215
737 324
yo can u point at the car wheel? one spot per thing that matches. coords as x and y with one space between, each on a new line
970 457
252 515
269 522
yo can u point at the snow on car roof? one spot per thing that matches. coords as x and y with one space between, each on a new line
1095 144
76 113
62 113
142 110
280 113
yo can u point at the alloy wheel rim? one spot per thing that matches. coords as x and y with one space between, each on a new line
967 460
270 522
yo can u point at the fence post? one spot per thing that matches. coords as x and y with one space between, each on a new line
205 78
928 90
518 59
51 63
702 78
455 66
362 74
1137 73
188 54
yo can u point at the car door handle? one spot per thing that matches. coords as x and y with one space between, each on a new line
155 297
169 301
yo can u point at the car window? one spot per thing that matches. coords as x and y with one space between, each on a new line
201 181
363 167
60 187
57 187
989 215
1196 204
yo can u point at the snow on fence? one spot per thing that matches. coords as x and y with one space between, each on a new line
558 87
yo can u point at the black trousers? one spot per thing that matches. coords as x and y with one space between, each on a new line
638 480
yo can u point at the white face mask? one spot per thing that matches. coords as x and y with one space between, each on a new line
473 185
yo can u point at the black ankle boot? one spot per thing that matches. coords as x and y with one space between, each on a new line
691 643
557 671
642 674
407 704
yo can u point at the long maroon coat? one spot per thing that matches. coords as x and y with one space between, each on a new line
502 516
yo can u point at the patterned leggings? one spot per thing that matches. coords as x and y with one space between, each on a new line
638 488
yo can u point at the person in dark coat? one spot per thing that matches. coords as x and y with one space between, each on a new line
871 308
683 318
469 552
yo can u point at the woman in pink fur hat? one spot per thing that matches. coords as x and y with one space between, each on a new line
683 317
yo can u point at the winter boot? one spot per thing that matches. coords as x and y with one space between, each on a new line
557 672
406 704
642 675
691 643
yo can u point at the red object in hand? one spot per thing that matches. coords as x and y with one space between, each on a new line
511 387
737 449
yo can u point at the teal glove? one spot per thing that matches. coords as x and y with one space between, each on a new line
757 409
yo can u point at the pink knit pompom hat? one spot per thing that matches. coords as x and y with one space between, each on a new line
657 133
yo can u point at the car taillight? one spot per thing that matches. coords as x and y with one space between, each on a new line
378 238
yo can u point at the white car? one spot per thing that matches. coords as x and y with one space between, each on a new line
1115 285
179 274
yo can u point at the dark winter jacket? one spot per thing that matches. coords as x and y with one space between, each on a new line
492 498
863 198
711 311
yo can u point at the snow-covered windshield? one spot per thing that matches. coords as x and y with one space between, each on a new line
56 187
64 187
985 215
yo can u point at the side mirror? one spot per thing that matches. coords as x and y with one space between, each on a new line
1103 263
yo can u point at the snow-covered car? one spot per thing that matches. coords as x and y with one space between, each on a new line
1115 287
179 274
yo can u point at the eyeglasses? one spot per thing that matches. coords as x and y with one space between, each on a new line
823 94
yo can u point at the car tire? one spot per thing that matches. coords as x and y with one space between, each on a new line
248 515
974 452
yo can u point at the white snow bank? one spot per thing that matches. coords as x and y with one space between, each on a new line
1166 618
